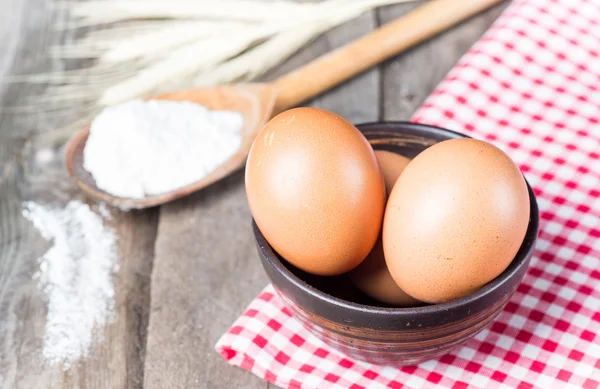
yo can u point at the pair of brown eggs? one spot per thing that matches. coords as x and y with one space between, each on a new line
431 229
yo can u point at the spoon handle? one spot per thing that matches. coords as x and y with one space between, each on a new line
355 57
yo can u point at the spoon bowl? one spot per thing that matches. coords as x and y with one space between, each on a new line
259 102
253 101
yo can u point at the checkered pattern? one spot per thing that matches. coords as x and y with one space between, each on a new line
531 86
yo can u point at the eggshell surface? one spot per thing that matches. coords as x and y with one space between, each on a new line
315 190
391 165
372 276
455 219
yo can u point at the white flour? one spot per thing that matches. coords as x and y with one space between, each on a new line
142 148
76 277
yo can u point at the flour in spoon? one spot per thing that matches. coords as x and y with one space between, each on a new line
75 276
142 148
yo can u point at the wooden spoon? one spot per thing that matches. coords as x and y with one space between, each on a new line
259 102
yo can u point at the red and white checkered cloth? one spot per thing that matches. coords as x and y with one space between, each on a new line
531 86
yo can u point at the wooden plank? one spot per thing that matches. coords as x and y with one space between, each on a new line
9 33
357 99
34 171
206 268
205 273
411 76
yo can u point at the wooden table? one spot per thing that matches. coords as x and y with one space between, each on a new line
187 269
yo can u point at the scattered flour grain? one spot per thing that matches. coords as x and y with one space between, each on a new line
76 277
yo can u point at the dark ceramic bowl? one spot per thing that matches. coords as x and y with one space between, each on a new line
364 329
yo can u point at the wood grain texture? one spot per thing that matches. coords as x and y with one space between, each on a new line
32 169
368 50
357 99
410 77
205 272
9 33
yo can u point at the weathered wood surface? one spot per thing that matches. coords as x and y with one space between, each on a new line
32 169
199 250
409 78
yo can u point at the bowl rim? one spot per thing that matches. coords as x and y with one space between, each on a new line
520 259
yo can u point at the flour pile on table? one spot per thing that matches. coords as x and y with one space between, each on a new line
76 277
142 148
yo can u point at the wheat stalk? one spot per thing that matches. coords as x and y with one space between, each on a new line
153 46
100 12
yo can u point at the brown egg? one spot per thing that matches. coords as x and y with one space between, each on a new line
372 276
391 165
315 190
454 220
